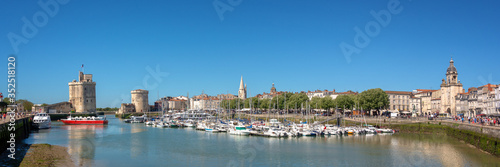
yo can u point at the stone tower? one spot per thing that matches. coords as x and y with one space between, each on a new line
82 93
140 100
449 89
242 92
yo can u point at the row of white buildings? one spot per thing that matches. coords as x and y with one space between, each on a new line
450 99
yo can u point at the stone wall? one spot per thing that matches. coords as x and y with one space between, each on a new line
62 107
22 131
126 108
482 137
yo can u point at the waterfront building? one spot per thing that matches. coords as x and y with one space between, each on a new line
226 96
450 87
38 108
472 102
425 96
204 102
486 98
497 99
242 92
415 105
273 92
140 100
462 104
178 103
399 100
82 93
321 94
435 105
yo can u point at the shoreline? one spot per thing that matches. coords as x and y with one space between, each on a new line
28 155
47 155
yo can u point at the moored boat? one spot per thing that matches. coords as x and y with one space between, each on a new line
42 121
85 121
239 130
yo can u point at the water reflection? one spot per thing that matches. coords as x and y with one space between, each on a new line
82 142
121 144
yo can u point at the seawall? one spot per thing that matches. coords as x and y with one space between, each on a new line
482 137
21 130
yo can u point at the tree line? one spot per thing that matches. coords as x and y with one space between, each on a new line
27 105
372 99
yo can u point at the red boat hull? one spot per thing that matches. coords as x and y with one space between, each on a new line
85 122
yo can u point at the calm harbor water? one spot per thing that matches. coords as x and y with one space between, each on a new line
122 144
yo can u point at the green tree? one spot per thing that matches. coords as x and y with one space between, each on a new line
373 99
296 100
327 103
264 103
26 104
246 103
346 101
3 106
315 102
6 100
255 102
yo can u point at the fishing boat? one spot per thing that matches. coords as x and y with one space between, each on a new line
85 120
42 121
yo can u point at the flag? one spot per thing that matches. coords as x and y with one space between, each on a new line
82 65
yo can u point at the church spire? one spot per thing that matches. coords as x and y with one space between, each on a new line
242 86
242 92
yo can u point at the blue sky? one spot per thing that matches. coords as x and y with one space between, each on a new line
294 44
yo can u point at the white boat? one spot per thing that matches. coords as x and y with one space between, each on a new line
136 119
193 115
385 130
239 130
42 121
161 124
149 123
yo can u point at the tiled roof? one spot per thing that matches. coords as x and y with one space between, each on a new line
489 86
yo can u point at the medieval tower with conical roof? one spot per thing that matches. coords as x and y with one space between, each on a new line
242 92
449 89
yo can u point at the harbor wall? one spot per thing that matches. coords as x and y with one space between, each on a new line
21 131
484 138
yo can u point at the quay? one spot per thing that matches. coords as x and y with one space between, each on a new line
20 129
